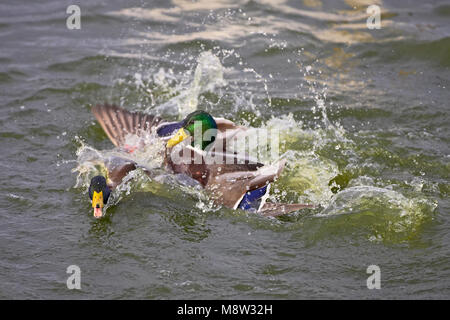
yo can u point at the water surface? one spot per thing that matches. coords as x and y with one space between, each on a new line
364 120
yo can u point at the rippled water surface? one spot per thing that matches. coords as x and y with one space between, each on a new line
363 117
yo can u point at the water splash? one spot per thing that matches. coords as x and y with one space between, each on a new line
383 214
317 152
149 177
207 76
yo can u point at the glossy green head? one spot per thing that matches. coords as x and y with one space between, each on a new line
201 126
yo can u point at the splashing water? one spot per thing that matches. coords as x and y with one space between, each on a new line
309 175
154 179
208 75
387 215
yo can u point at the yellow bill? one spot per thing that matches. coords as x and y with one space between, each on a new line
97 203
177 138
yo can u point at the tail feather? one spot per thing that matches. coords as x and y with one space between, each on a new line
118 122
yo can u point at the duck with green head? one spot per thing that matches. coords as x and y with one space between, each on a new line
204 157
99 193
199 125
233 181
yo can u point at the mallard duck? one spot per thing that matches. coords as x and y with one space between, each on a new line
232 180
99 193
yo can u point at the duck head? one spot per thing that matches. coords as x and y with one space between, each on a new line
99 193
200 126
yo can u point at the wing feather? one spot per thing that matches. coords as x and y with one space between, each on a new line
118 122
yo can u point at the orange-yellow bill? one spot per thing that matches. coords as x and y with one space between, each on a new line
177 138
97 204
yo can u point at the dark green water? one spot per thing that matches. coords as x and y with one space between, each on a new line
364 116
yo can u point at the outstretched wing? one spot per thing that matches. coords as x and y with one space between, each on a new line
118 122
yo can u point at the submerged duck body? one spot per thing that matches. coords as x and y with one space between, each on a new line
232 180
